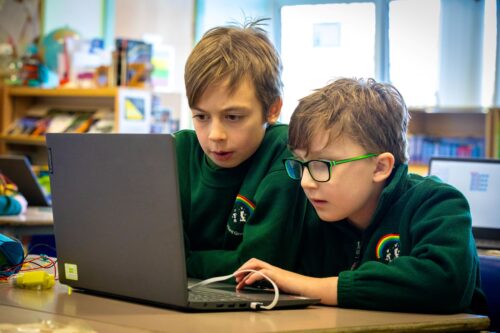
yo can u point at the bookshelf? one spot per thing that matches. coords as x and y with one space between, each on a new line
2 88
457 132
128 110
493 133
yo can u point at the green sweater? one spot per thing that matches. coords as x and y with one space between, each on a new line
232 215
9 205
418 253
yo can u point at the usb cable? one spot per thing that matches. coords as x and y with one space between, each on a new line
253 305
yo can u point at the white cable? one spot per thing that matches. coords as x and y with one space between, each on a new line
211 280
253 305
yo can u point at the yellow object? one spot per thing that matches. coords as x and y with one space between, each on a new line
33 280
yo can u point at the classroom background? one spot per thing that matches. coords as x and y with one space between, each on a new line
117 65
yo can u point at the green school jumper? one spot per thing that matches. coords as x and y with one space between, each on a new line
418 253
9 205
232 215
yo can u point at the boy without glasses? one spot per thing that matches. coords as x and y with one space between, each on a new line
237 200
396 241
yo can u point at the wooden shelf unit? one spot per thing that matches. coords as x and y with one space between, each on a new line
456 122
17 101
450 122
493 133
23 139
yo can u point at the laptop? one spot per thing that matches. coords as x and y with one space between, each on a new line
18 169
118 227
479 181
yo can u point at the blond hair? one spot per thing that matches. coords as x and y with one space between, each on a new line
372 114
235 53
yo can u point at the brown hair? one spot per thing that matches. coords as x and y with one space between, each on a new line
372 114
234 53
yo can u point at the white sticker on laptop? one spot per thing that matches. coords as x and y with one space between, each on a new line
71 271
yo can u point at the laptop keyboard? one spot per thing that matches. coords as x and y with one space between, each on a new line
209 295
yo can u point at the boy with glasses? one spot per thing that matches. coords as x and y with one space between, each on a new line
393 241
237 200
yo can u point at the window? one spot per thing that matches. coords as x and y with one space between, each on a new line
436 52
414 49
322 42
489 53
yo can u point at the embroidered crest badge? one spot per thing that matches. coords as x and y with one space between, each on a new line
242 212
388 248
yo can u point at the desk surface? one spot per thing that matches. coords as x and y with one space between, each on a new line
36 220
12 318
105 315
33 216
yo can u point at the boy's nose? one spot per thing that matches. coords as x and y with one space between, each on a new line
307 181
217 132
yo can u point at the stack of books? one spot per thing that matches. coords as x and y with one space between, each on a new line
132 60
422 147
40 121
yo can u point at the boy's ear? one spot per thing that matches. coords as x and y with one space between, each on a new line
274 111
383 169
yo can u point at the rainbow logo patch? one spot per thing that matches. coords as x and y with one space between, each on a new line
245 202
385 242
242 212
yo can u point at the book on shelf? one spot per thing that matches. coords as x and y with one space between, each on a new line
103 122
80 123
423 147
32 123
59 121
133 62
23 126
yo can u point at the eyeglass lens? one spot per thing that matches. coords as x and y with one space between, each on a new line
320 171
294 169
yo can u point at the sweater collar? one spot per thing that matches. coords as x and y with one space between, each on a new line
215 176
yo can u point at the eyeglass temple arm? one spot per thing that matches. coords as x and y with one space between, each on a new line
347 160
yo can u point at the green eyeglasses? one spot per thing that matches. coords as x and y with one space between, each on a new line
320 170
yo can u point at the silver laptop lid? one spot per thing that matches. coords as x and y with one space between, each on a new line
115 197
479 181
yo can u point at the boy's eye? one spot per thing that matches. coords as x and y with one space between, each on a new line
200 117
234 117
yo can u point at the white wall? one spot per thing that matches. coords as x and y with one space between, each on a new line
85 17
461 53
173 20
211 13
15 22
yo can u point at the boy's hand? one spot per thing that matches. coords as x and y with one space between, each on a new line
286 281
289 282
246 279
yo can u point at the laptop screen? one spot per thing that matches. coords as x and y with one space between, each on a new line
479 181
18 170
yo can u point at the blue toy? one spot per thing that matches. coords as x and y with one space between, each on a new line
11 256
